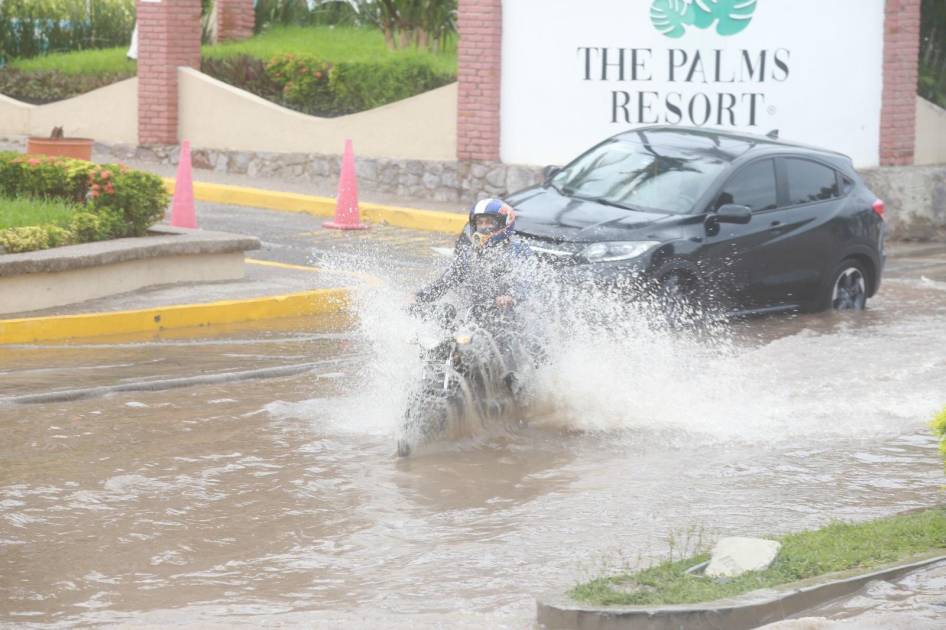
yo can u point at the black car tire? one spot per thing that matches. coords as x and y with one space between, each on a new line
847 288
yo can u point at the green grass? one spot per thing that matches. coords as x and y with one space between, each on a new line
22 212
87 62
331 44
837 547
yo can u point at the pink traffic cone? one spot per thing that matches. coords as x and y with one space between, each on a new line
347 216
182 207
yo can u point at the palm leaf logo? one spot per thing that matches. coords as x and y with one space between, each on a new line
671 17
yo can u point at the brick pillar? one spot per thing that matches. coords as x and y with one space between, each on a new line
480 25
168 37
901 58
235 19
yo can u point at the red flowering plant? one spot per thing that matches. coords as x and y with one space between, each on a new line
305 81
110 200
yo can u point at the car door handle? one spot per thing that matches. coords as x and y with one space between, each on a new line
776 223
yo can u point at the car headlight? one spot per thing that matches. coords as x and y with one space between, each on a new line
616 250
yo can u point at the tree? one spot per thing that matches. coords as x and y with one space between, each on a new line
932 72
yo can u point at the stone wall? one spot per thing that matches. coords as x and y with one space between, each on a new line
915 198
418 179
915 195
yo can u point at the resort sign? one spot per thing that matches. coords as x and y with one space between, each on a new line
573 77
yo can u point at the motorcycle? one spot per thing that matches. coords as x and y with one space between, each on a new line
473 375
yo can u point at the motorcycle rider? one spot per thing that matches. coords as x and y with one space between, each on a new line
489 264
487 257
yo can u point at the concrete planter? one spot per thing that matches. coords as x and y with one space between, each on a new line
78 148
61 276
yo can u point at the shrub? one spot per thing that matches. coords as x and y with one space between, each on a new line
41 87
245 72
87 227
112 200
42 176
313 86
938 424
127 201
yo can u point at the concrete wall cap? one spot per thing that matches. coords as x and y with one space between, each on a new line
163 240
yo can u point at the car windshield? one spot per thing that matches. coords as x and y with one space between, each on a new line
636 174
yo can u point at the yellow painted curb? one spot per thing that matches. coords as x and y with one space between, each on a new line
413 218
152 320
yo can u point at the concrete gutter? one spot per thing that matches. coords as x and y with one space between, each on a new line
737 613
412 218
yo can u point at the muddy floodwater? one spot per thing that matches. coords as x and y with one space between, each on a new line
281 501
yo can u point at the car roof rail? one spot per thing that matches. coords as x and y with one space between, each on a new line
772 134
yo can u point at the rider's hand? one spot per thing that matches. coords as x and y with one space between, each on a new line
504 301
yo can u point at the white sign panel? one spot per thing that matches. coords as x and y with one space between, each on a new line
575 73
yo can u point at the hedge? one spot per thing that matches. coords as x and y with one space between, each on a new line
111 200
35 27
312 85
48 87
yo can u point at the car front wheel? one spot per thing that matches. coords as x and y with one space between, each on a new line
847 290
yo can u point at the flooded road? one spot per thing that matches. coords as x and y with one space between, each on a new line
280 501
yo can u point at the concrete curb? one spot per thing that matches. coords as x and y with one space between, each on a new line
155 320
412 218
163 240
743 612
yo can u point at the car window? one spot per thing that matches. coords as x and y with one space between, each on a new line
752 185
809 181
644 175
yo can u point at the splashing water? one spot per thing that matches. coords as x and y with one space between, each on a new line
611 367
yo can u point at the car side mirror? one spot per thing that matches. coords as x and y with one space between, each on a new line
549 172
733 213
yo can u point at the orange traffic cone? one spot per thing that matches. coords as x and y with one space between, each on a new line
347 216
182 207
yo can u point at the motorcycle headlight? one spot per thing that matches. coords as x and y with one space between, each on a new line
463 340
616 250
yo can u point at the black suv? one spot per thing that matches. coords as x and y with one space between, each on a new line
756 223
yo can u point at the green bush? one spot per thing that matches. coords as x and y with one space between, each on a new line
43 177
35 27
938 424
33 237
314 86
38 88
111 200
24 239
127 201
245 72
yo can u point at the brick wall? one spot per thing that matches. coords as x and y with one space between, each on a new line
168 37
235 19
901 52
479 75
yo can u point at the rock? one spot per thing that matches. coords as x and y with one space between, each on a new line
366 170
496 178
239 162
200 159
430 180
519 177
735 556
